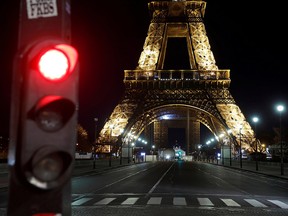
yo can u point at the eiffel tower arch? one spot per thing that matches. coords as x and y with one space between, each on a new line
156 96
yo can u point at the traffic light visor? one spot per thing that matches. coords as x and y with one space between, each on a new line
52 112
48 167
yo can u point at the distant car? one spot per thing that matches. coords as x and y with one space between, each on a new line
244 156
268 156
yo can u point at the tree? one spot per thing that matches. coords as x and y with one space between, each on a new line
83 144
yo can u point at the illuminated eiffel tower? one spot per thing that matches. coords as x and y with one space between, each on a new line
158 96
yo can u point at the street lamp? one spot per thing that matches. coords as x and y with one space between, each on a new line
129 143
129 140
122 140
153 149
220 138
133 158
240 128
110 139
95 132
255 120
280 109
93 147
230 141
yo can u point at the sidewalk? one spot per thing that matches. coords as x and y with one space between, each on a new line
266 168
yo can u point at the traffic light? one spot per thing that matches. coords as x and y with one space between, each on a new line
44 111
49 111
44 126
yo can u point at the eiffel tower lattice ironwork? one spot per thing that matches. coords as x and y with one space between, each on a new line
200 93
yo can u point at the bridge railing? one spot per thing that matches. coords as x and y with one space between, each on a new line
164 75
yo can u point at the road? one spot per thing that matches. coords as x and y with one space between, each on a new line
181 188
177 188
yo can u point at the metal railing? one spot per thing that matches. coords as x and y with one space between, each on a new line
164 75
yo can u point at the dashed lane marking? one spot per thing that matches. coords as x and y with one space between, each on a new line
255 203
179 201
279 203
104 201
130 201
230 202
205 202
154 201
80 201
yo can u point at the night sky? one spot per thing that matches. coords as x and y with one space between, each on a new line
246 37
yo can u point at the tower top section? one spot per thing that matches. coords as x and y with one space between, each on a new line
183 21
178 9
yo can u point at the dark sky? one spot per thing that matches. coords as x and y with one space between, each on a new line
246 37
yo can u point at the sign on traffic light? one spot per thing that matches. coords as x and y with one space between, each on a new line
44 111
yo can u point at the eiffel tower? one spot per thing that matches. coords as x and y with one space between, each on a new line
158 96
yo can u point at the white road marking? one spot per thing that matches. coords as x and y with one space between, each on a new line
279 203
130 201
179 201
80 201
230 202
154 201
104 201
205 202
255 203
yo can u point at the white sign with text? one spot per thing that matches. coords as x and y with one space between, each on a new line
41 8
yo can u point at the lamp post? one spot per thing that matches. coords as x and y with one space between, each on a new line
121 151
280 109
122 140
129 139
93 147
222 147
230 141
255 120
110 139
240 128
95 132
128 151
133 144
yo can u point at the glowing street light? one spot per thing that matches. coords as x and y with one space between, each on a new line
240 128
110 146
280 109
229 131
220 138
95 131
121 150
255 120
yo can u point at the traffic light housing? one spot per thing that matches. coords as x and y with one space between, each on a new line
43 124
49 102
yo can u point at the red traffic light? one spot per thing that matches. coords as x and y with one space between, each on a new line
57 62
53 64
